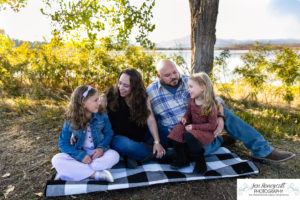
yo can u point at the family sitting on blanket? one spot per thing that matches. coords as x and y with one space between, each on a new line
130 114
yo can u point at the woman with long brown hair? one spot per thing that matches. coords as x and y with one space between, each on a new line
130 114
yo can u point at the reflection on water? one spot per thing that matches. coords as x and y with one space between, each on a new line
232 62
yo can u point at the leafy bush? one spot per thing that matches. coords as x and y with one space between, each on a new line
264 65
52 71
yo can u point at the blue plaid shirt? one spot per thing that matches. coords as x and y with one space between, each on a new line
167 107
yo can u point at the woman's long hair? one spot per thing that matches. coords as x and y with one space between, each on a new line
76 113
209 97
139 111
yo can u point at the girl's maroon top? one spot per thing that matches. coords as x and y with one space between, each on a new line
203 126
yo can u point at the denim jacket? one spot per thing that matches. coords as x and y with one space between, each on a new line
101 133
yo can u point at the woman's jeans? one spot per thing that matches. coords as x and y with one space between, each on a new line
130 148
239 130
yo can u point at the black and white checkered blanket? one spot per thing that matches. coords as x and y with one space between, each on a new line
222 164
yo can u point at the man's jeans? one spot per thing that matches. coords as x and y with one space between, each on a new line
239 130
242 131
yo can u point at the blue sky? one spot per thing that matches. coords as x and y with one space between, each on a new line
237 19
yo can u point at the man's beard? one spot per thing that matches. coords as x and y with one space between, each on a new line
168 85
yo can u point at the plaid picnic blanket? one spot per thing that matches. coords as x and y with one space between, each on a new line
221 164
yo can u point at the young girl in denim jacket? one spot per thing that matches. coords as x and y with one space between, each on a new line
90 157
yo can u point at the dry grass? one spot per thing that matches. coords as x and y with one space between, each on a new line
29 140
269 95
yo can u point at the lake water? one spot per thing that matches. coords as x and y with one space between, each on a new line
232 62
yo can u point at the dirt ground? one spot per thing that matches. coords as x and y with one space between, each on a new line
29 141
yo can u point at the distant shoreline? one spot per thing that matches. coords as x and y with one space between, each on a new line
295 46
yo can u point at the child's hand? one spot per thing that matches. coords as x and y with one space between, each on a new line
97 153
189 127
73 140
182 120
87 159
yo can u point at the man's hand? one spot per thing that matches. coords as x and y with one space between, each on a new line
189 127
97 153
219 127
182 120
87 159
73 140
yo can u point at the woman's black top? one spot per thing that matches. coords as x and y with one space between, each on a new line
121 123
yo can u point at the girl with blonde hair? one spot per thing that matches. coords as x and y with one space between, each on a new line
196 127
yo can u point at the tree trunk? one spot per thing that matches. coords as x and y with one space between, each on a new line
203 35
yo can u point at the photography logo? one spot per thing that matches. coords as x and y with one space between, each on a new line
268 189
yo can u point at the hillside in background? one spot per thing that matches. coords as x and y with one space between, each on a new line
184 43
32 44
247 46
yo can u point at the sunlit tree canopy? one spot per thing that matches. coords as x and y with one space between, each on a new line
15 5
102 20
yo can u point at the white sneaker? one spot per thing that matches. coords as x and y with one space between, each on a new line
109 177
104 175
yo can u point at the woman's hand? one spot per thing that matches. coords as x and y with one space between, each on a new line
151 122
159 150
87 159
189 127
97 153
